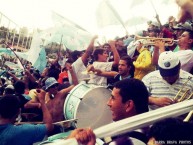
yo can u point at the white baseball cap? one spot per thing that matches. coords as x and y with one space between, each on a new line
169 63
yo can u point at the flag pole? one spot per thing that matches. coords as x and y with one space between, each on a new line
7 46
60 44
157 16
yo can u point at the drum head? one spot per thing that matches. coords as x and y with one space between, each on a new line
88 104
93 110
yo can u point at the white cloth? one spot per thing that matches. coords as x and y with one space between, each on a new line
186 59
103 66
131 49
78 67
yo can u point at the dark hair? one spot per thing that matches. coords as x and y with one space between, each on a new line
9 106
129 62
9 91
171 129
53 72
3 81
106 44
190 33
170 72
155 29
69 60
37 75
32 85
97 52
2 90
19 87
134 89
76 54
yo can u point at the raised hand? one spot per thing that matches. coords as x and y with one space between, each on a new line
186 11
84 136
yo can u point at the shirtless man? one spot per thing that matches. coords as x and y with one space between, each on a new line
55 99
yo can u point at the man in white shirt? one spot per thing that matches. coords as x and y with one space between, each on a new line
100 57
80 64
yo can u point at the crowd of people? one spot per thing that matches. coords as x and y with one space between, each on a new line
143 75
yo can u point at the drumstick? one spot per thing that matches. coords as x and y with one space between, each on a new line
88 72
66 121
20 123
85 79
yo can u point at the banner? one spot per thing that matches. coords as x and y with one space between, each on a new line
67 33
105 16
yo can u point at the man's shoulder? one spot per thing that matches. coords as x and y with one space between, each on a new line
30 126
185 74
28 133
25 128
154 74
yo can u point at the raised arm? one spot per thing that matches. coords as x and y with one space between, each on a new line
32 104
115 53
72 73
186 11
47 118
30 76
158 49
98 72
74 80
13 76
88 50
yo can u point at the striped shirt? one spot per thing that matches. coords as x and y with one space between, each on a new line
158 87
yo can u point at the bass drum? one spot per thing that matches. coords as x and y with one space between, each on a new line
88 104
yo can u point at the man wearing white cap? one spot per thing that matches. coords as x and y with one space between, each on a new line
164 84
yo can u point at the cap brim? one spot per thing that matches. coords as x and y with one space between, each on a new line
51 85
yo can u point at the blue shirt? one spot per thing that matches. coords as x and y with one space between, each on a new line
25 134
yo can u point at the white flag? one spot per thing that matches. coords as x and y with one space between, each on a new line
105 16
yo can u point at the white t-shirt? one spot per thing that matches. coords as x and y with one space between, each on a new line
78 67
103 66
186 59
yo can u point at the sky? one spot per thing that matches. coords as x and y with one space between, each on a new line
37 13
